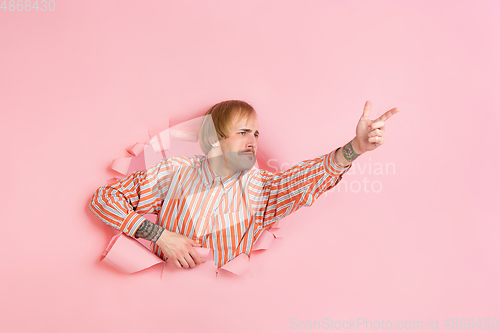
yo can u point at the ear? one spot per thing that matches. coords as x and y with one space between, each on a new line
215 150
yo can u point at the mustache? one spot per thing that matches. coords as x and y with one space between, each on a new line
247 151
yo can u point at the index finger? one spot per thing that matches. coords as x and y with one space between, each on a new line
388 114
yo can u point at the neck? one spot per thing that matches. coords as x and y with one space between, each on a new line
218 163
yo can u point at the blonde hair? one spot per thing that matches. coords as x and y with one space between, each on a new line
218 119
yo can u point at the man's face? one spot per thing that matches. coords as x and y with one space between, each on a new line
240 147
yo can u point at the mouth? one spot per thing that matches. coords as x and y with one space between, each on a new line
248 153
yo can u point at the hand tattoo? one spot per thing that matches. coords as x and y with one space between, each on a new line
349 153
150 231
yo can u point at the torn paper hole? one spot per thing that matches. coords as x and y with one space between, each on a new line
136 149
161 141
239 266
121 165
129 256
264 242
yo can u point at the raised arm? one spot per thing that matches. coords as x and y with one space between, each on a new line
280 194
301 185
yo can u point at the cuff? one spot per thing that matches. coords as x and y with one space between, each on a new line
332 167
131 223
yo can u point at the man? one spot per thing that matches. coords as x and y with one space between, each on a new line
218 201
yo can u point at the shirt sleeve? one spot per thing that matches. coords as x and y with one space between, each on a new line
280 194
121 204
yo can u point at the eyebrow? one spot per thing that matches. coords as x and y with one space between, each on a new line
247 130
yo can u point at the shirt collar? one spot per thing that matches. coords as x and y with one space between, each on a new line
209 176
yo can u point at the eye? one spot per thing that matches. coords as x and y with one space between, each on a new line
242 133
256 135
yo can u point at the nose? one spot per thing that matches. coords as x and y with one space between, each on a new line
252 142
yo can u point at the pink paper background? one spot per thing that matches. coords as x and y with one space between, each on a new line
81 84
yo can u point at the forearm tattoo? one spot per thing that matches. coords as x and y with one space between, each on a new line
150 231
349 153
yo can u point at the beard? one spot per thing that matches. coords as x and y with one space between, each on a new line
239 161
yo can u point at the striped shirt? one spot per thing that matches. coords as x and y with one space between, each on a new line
227 214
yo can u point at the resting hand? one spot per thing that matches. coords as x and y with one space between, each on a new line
179 249
370 134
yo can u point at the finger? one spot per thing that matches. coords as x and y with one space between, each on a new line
376 139
176 263
183 263
377 132
189 261
193 242
195 256
377 124
388 114
367 109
